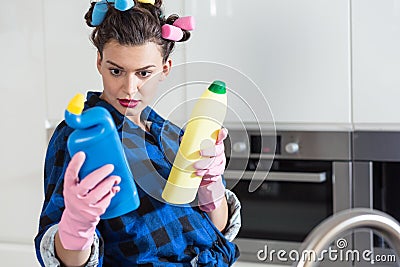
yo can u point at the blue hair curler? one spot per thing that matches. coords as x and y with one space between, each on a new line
101 8
123 5
99 12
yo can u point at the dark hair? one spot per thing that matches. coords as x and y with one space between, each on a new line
136 26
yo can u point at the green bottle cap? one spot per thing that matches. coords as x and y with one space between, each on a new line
218 87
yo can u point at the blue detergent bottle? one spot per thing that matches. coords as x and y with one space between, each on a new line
96 135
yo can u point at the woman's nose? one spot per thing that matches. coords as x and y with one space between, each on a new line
132 84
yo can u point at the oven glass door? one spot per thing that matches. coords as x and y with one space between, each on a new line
386 197
296 197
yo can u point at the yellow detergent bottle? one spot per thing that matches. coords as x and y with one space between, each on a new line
201 131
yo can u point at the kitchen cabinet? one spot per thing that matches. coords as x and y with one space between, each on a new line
376 64
296 51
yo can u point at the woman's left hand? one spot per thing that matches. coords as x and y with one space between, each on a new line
212 190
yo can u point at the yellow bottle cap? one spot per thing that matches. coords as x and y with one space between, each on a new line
76 104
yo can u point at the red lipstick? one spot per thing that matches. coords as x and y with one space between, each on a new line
128 103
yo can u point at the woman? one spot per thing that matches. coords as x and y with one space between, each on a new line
132 58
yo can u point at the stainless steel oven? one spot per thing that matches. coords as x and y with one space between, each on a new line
376 185
308 178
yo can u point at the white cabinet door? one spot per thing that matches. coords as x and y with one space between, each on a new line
296 51
376 64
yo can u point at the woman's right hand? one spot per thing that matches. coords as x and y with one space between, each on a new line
85 201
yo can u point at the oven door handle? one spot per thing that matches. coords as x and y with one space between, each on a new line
303 177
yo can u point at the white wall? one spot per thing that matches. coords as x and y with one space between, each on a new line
23 140
70 58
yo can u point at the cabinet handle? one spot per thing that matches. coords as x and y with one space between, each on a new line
303 177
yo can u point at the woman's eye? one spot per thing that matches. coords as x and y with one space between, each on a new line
115 72
144 73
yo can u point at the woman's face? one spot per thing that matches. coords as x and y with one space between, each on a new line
131 75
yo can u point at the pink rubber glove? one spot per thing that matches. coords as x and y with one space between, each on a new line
84 201
212 191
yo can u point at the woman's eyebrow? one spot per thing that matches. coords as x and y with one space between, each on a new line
112 63
146 67
140 69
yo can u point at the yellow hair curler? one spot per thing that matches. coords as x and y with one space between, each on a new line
147 1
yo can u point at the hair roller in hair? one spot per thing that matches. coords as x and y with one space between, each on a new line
99 12
171 32
147 2
123 5
185 23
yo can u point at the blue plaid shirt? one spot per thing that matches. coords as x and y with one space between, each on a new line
157 233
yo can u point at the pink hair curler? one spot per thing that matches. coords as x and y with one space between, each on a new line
171 32
185 23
